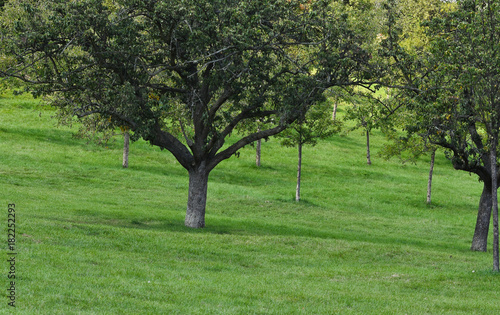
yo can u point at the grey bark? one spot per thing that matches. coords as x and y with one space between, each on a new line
257 153
480 239
197 196
334 114
126 146
368 158
494 201
299 173
429 181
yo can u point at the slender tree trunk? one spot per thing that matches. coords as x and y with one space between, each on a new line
368 158
429 182
299 173
494 201
126 144
257 153
334 114
480 239
197 196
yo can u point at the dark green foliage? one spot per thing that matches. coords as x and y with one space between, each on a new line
204 67
453 92
316 124
183 75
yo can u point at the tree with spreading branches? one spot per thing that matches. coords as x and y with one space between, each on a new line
183 75
453 92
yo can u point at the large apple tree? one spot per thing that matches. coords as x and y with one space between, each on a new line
183 74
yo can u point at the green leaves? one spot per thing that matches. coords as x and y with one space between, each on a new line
185 74
453 90
316 124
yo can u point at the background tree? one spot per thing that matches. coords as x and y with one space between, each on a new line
455 95
100 131
369 112
410 149
316 124
405 25
466 55
213 65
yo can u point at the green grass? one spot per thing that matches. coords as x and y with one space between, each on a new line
94 238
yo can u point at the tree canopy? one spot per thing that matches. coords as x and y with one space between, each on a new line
184 74
453 92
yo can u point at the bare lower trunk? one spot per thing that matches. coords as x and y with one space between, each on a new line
334 114
197 197
494 202
368 158
480 239
299 173
126 144
429 182
257 153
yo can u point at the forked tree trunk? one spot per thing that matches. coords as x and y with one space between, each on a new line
126 145
429 182
197 197
494 202
257 153
480 239
299 173
368 158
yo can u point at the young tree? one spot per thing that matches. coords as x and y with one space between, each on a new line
316 124
126 146
365 112
370 110
409 149
213 65
258 151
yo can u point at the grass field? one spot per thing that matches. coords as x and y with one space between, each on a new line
94 238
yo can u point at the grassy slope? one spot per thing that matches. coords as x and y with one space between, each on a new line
95 238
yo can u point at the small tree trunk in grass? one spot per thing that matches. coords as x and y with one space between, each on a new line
299 172
334 114
368 158
494 201
197 196
429 182
257 153
480 239
126 144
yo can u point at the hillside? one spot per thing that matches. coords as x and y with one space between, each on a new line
93 237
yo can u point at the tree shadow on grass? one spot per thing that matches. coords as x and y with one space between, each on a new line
49 135
167 170
257 228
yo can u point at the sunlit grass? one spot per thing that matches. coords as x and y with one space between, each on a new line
96 238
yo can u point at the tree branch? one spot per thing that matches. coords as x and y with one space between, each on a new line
227 153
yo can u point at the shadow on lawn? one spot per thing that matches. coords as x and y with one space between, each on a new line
259 228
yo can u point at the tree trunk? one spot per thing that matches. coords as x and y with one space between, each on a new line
334 114
299 173
257 154
197 196
480 239
429 182
494 201
368 159
126 144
